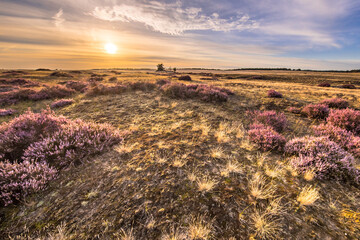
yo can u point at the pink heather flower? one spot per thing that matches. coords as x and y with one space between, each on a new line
294 110
325 157
274 94
266 138
348 119
316 111
335 103
273 119
17 180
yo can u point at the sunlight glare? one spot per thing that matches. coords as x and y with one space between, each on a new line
110 48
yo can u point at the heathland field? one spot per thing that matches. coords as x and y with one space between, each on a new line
196 154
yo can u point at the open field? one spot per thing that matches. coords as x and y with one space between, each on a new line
187 168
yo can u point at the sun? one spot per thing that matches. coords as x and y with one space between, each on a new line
110 48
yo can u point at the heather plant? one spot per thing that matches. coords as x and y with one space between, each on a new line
77 86
61 103
60 74
15 96
274 94
347 140
266 138
348 86
72 142
324 84
348 119
19 133
17 180
335 103
18 81
322 156
57 91
185 78
6 112
316 111
273 119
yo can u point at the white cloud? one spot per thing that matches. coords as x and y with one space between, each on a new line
58 19
172 18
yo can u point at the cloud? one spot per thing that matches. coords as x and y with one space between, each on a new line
58 19
172 18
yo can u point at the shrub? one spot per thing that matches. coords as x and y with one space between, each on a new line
73 142
348 86
324 84
77 86
57 91
348 119
344 138
160 67
185 78
326 158
113 79
143 86
294 110
204 92
60 74
6 112
272 119
100 89
17 180
335 103
266 138
274 94
316 111
61 103
95 79
19 133
15 96
18 81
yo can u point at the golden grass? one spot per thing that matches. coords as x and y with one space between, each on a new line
232 166
217 152
259 188
199 228
308 196
264 226
206 184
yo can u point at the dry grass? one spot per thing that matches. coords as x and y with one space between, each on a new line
308 196
260 188
265 227
206 184
232 166
199 228
217 152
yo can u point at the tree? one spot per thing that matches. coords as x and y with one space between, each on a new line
160 67
174 69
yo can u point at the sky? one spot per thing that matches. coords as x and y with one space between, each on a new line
76 34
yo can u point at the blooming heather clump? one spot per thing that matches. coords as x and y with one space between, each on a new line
322 156
324 84
15 96
32 142
347 140
61 103
17 180
316 111
72 142
77 86
274 94
100 89
57 91
348 119
335 103
19 133
6 112
185 78
273 119
266 138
